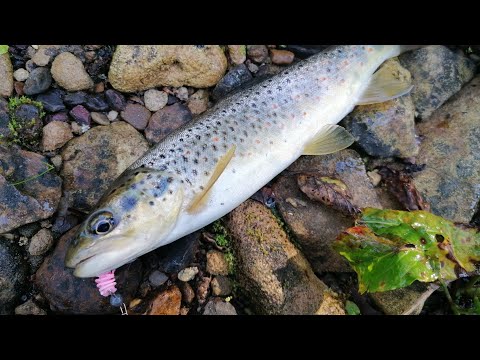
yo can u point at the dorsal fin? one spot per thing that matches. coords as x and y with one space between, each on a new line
200 199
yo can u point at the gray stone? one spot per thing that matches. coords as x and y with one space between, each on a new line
217 306
166 120
450 181
437 74
40 242
38 81
155 100
55 135
235 77
32 200
21 74
13 275
386 129
92 161
315 225
221 286
157 278
6 76
29 308
69 73
271 271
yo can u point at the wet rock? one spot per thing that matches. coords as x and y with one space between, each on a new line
5 131
29 308
100 118
257 53
216 263
55 135
252 67
40 242
238 53
157 278
112 115
52 100
187 292
217 306
136 115
141 67
198 102
281 57
203 288
96 103
13 274
116 100
237 76
38 81
179 254
20 74
164 121
386 129
76 98
271 271
188 274
155 100
6 76
221 286
406 301
437 74
92 161
60 116
69 73
267 70
167 302
69 294
31 200
451 151
315 225
81 115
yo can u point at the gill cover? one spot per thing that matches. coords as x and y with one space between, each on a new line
139 211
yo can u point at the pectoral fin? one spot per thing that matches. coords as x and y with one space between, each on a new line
384 86
330 139
201 198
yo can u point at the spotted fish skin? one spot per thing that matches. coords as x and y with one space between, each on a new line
267 126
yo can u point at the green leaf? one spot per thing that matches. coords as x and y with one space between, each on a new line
3 49
391 249
352 308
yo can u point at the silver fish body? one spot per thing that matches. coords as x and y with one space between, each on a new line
261 130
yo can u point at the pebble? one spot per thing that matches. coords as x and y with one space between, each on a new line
21 74
166 120
81 115
257 53
100 118
136 115
155 99
157 278
198 102
281 57
29 308
235 77
237 53
75 98
60 116
181 93
187 292
217 306
40 242
55 135
52 100
69 73
38 81
221 286
188 274
167 302
112 115
216 263
116 100
96 102
18 86
6 76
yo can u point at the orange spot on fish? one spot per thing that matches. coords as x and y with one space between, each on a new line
304 114
215 139
188 152
268 123
324 78
274 106
257 141
370 49
345 62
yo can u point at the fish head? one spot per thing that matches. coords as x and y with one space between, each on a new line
140 209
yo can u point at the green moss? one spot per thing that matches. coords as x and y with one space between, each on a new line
223 239
13 125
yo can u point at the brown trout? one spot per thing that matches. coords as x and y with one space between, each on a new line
205 169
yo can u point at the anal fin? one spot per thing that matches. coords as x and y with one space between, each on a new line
330 139
201 198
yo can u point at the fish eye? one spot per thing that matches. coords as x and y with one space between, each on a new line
102 223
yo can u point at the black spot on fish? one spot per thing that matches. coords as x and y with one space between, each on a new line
128 203
151 203
198 137
162 156
201 187
231 128
214 147
206 173
194 172
195 161
181 139
171 191
172 150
